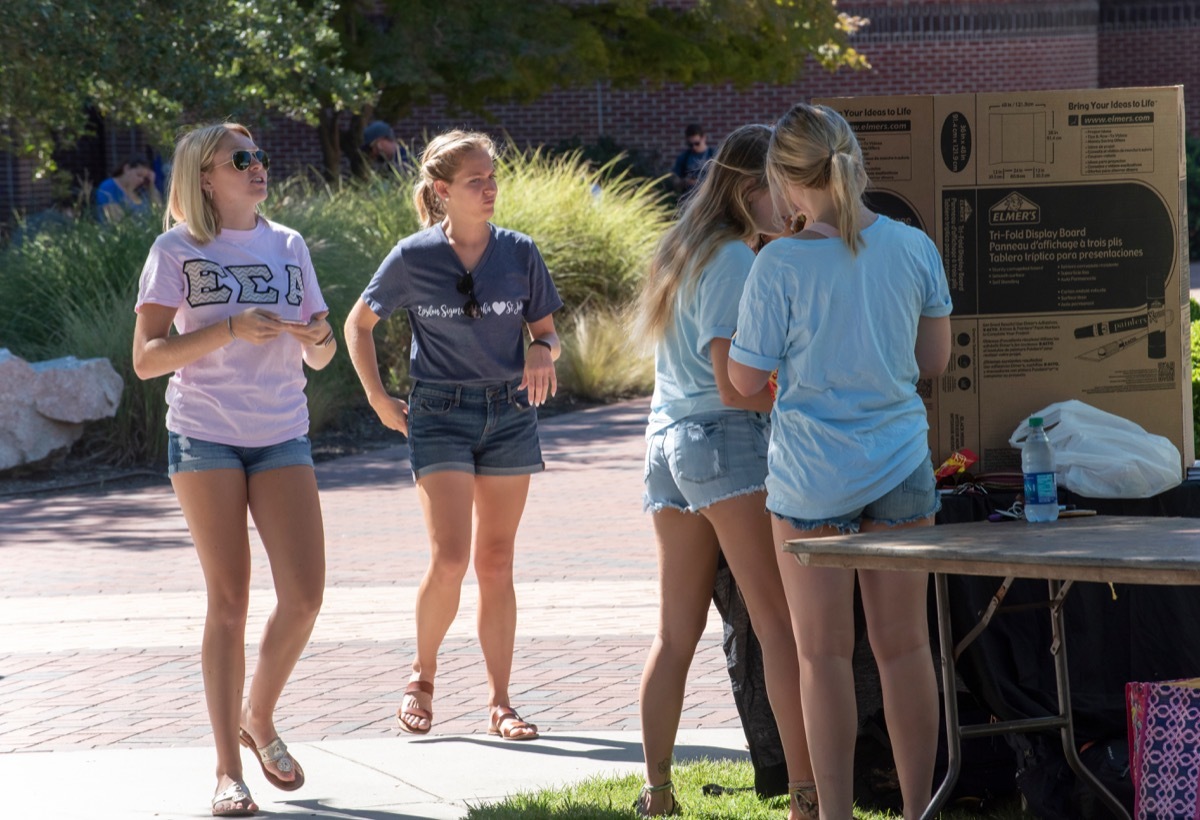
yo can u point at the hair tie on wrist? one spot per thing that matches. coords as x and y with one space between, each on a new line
543 343
229 324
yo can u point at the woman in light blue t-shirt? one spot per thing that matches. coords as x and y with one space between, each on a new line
852 311
706 462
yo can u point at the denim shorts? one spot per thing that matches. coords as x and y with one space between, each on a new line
187 454
914 499
488 429
706 458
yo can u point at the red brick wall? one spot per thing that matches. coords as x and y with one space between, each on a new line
1149 43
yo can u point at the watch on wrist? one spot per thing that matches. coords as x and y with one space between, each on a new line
541 342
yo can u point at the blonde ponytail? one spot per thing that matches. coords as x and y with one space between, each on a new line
814 147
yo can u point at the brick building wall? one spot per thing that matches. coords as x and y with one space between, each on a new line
1150 42
914 46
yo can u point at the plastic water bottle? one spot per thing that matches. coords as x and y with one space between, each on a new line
1037 465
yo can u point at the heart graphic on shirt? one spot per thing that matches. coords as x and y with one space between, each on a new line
498 307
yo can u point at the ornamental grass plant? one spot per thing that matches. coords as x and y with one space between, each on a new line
69 290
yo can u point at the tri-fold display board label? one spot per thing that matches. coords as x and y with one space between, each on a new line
1061 219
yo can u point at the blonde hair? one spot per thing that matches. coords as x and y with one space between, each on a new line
814 147
186 201
717 212
441 160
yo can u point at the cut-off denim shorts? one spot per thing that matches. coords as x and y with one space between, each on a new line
706 458
488 429
915 498
187 454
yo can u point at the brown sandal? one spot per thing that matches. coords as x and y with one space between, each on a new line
505 724
275 754
415 687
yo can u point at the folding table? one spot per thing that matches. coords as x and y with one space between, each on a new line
1112 549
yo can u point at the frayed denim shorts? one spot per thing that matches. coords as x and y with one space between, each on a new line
188 454
914 499
486 429
706 458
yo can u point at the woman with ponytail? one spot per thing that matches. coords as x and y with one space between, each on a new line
480 303
852 311
706 462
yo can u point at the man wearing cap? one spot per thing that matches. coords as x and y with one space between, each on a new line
381 148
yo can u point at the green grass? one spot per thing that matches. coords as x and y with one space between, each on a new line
611 798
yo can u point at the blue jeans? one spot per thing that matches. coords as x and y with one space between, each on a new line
187 454
913 499
481 429
706 458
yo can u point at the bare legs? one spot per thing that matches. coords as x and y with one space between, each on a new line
821 603
287 512
687 567
497 502
688 546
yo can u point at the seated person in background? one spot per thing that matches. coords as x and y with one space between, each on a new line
130 188
381 148
689 165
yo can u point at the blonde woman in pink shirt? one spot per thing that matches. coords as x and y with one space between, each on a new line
248 315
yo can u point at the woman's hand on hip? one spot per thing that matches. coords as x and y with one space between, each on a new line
392 412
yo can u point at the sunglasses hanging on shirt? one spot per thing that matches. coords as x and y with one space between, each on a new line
466 286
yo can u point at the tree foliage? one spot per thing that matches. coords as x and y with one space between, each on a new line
157 63
473 54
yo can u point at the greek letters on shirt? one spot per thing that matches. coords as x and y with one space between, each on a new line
211 284
499 308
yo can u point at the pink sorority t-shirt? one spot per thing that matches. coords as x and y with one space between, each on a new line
242 394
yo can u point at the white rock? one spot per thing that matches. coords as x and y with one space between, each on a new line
43 406
72 390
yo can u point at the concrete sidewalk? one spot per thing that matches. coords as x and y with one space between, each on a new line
101 700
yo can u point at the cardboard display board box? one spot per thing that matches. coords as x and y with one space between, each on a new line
1061 217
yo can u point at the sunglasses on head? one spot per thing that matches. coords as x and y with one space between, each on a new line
242 160
466 286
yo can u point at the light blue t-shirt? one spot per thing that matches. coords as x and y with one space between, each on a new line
512 286
705 309
848 425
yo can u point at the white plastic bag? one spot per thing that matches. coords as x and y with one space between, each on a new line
1100 455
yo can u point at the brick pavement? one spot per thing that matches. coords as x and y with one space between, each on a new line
101 607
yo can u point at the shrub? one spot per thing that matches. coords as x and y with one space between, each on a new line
600 361
70 290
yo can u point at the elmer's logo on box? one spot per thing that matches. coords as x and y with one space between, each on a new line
1014 209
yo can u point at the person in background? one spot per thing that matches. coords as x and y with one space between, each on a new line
481 305
248 314
691 163
852 311
382 150
131 188
706 462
